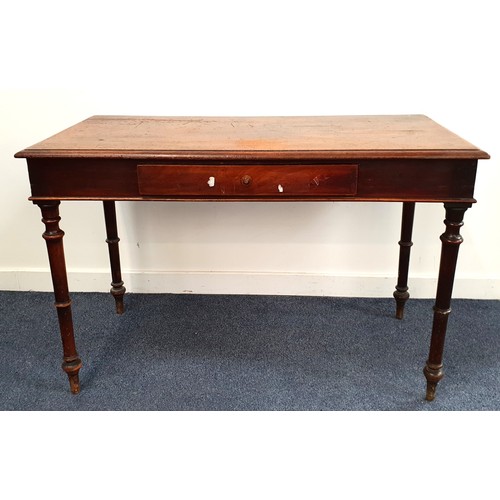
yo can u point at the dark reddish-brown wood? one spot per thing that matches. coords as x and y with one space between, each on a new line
406 158
248 180
377 180
255 138
401 294
451 241
117 288
53 236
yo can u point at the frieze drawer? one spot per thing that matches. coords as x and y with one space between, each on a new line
242 180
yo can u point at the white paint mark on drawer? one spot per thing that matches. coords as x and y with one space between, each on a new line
280 188
211 182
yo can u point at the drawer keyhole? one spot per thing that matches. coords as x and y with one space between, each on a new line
246 180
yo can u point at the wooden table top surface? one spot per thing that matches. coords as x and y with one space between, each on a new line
322 137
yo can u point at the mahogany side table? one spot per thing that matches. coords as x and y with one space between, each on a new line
405 159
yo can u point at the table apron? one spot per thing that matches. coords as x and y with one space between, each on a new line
438 180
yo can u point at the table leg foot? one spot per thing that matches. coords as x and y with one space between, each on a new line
401 297
433 374
431 391
118 291
401 294
72 367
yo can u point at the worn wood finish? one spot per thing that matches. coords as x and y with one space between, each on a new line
117 288
248 180
401 293
349 158
391 136
53 236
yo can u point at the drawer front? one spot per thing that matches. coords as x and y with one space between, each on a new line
248 181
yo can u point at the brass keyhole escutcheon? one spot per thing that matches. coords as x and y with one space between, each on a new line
246 180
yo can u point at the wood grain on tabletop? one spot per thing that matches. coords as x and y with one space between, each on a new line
389 135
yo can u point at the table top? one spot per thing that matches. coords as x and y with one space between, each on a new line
321 137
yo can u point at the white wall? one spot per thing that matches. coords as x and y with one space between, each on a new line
63 61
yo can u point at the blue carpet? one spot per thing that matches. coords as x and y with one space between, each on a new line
227 352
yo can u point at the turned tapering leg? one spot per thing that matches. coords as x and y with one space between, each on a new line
117 288
401 294
53 236
451 240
